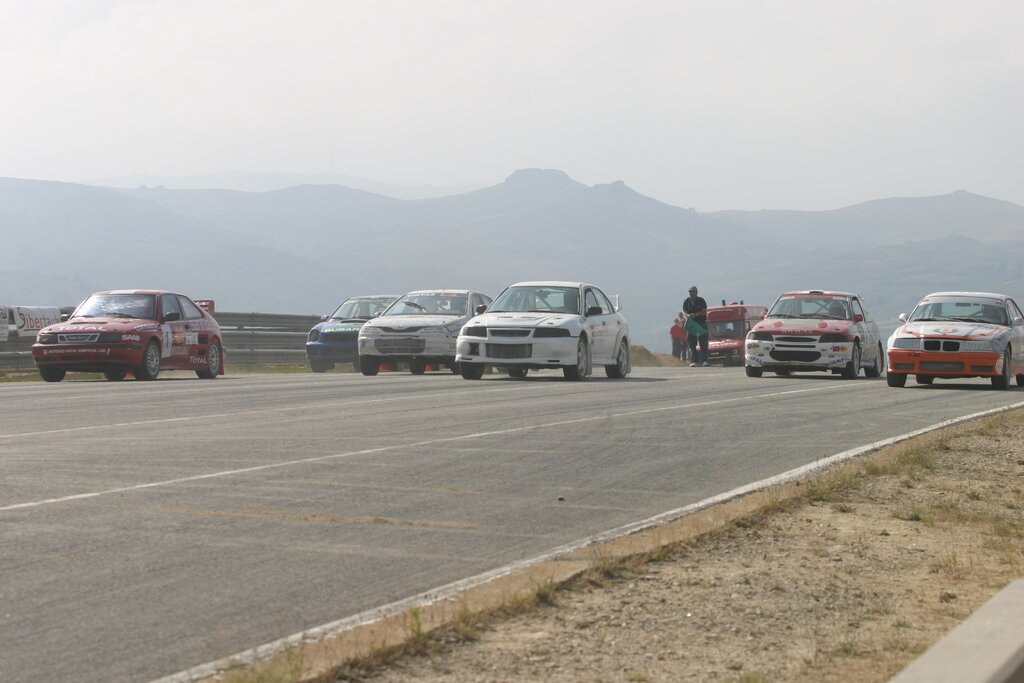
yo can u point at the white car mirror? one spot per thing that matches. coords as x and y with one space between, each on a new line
903 317
617 302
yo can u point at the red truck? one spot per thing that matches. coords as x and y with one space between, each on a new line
727 329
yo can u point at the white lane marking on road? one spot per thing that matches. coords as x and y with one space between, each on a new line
210 416
393 447
450 590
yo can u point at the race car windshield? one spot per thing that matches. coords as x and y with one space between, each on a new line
961 310
537 299
430 304
817 308
118 306
362 308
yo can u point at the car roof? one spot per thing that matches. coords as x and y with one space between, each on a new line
551 283
823 292
374 296
440 290
980 295
137 291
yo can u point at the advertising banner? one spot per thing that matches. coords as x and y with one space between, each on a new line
30 319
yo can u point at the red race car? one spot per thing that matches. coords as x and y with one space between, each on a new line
135 331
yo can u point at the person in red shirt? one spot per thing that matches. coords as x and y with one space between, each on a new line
678 334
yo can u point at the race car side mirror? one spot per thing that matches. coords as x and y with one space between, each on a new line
594 310
480 308
172 316
324 318
903 317
858 318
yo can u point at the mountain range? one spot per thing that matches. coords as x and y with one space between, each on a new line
305 248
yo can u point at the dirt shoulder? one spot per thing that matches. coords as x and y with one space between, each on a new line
850 581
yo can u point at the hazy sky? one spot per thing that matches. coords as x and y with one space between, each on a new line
710 104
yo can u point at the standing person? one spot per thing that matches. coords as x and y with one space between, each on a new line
696 310
678 334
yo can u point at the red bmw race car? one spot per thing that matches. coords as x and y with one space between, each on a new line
135 331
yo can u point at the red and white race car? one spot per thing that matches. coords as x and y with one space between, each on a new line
952 335
816 330
135 331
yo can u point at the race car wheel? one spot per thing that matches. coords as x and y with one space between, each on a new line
52 374
876 368
895 380
471 370
517 373
320 365
1020 380
212 363
753 372
1003 381
150 367
622 364
579 372
114 375
369 365
852 368
417 367
924 379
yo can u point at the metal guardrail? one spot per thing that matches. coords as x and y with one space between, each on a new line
249 338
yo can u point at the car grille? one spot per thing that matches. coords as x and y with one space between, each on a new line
78 338
495 332
509 350
941 345
400 345
800 356
797 340
932 366
339 336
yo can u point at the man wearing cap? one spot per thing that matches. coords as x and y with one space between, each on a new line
696 310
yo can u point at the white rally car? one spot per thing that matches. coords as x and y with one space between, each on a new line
570 326
418 329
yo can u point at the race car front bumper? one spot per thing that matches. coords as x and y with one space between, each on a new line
820 356
945 365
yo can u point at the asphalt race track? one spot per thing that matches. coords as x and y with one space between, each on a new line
148 527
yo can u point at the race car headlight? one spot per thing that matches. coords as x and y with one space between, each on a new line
369 331
474 331
982 346
761 336
833 338
314 334
906 343
109 337
46 338
551 332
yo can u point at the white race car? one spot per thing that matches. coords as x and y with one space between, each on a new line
538 325
419 329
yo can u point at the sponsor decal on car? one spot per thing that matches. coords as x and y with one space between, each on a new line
131 337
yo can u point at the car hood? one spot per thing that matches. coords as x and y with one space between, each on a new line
412 323
950 328
522 319
98 325
810 327
340 325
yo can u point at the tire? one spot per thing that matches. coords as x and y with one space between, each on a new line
622 364
924 379
417 367
581 369
368 365
471 370
114 375
879 365
52 374
320 365
752 371
213 357
150 367
1003 381
852 368
895 380
518 373
1020 380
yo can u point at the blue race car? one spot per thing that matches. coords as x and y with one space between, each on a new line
335 340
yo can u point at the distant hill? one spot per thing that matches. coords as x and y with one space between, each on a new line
262 181
304 248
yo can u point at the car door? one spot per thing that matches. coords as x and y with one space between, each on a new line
197 334
174 350
597 325
868 330
1016 335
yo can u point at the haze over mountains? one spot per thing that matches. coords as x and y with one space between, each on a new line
305 248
